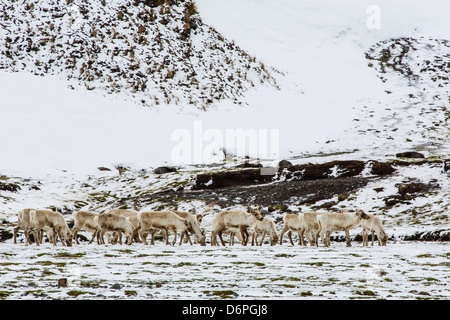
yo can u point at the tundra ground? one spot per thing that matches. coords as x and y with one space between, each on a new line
401 270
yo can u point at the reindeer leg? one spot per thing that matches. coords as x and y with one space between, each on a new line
282 234
262 238
290 237
36 238
221 239
167 236
27 236
347 238
244 234
143 236
61 238
181 237
93 237
174 238
16 230
188 238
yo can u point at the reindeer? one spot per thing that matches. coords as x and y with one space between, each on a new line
114 223
132 217
23 223
234 219
50 221
194 228
264 226
85 220
374 225
166 220
337 221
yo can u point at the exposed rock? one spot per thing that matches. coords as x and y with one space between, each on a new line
295 172
325 170
413 187
395 199
247 164
116 286
410 154
284 192
326 205
5 235
408 192
153 51
12 187
278 207
436 235
62 282
447 165
381 168
230 178
161 170
284 163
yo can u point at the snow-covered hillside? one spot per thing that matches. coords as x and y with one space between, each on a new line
155 51
328 98
323 47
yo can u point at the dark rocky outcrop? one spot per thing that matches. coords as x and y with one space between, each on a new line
284 163
435 235
12 187
410 154
161 170
302 172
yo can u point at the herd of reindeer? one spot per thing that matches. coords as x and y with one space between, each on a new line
137 226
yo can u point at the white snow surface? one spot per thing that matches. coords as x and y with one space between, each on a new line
398 271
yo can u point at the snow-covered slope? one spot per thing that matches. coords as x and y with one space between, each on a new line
328 92
322 46
155 51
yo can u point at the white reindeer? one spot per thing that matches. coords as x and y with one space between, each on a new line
234 219
150 221
85 220
23 223
50 221
338 221
301 223
132 217
195 226
374 225
266 226
109 222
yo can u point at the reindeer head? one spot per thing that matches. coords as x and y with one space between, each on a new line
202 240
274 239
360 213
199 217
383 238
68 237
255 212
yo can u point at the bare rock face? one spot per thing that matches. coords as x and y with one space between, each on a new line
161 170
62 282
302 172
410 154
12 187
